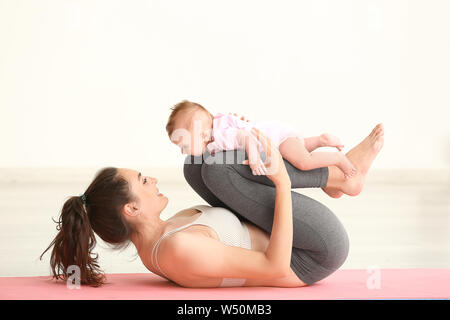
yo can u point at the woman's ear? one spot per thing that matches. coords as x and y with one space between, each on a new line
130 209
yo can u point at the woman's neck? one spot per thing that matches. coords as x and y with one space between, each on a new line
148 233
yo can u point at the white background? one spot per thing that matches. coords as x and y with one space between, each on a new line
90 83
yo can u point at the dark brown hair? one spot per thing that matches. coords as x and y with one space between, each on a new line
73 244
179 108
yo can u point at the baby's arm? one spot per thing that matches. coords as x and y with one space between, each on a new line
250 144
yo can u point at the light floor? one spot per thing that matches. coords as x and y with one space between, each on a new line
398 221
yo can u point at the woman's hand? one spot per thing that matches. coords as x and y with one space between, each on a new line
257 166
274 165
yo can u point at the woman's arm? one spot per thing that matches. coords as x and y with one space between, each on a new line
202 256
280 244
194 252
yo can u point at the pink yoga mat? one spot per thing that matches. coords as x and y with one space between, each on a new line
343 284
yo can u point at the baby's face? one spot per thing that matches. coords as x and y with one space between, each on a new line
192 133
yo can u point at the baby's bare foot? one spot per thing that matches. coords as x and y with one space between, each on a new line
329 140
346 166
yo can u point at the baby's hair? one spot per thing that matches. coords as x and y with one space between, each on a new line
182 107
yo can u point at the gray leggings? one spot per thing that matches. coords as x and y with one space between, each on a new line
320 242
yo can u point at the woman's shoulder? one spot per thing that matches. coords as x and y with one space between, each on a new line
175 246
185 212
184 220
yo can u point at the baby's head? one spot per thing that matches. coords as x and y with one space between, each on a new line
190 127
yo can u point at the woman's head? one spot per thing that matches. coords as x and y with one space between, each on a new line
148 202
113 201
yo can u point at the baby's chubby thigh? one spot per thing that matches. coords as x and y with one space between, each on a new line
293 149
280 133
287 139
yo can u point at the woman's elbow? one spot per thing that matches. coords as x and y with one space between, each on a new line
280 272
284 272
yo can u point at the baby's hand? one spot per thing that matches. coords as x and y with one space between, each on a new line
258 167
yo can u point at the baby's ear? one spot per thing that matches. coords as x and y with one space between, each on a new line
206 135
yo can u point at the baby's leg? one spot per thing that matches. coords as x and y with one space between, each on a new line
294 151
312 143
324 140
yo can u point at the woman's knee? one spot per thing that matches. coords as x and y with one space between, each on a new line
213 174
192 167
335 258
339 249
335 241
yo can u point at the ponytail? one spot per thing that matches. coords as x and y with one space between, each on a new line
73 245
99 211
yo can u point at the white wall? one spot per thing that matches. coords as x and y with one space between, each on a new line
90 83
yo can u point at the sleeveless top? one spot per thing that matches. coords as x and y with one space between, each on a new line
228 227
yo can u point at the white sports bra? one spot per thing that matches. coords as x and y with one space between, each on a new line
228 227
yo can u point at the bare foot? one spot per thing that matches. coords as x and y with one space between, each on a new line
362 157
332 192
329 140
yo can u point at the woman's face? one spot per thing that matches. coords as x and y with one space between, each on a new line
144 188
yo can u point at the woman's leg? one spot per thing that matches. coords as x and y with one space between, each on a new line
320 242
316 178
192 173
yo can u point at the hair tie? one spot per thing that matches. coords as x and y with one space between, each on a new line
83 198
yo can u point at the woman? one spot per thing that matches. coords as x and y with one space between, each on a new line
286 240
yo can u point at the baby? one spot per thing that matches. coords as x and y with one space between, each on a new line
194 129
